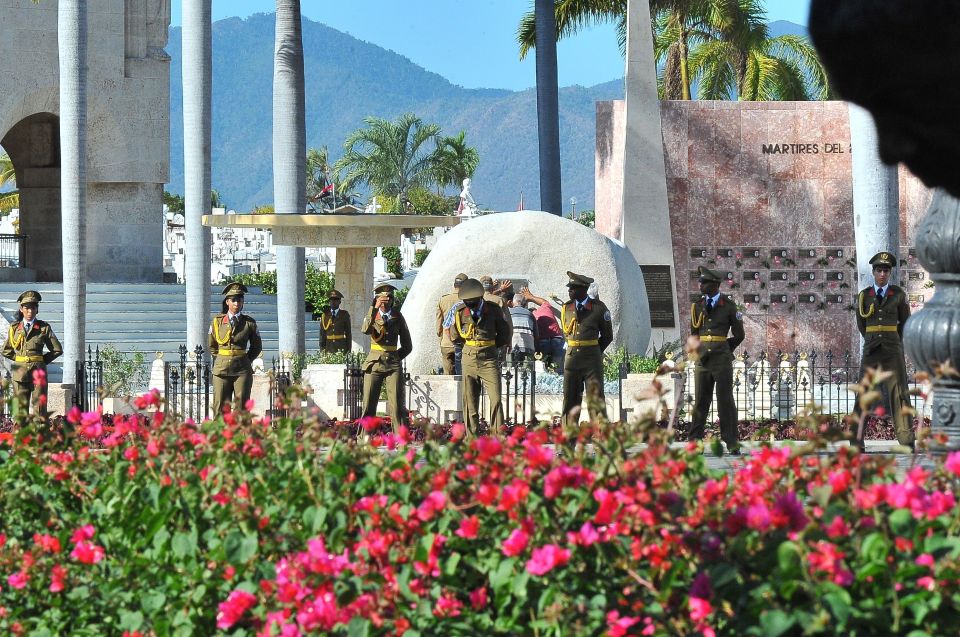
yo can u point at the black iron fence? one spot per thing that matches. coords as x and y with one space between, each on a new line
518 393
776 388
353 388
280 375
13 250
88 395
186 385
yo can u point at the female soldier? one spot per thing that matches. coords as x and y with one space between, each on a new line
26 339
234 343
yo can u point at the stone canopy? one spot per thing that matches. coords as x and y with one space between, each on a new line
536 247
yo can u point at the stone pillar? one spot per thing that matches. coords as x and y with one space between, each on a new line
931 335
646 213
354 279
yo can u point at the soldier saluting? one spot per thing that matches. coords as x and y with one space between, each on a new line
234 341
390 343
588 329
882 311
335 326
712 318
26 340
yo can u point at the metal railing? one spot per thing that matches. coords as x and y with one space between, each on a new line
352 388
777 388
187 385
518 393
88 395
13 250
280 375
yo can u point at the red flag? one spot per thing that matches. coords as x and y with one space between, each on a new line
326 189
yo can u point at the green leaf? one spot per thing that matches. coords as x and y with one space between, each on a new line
184 544
775 623
839 603
241 548
874 547
788 558
131 620
503 576
359 627
153 601
822 494
453 561
520 584
901 522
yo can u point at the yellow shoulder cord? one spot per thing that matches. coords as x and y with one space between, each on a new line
694 322
376 338
326 326
13 335
568 328
470 331
216 333
864 313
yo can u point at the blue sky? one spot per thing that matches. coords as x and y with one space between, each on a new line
471 43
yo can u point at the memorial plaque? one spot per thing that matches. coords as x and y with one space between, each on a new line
912 252
751 298
806 276
751 275
915 298
778 275
806 253
779 252
751 253
807 298
778 298
833 298
728 275
659 295
724 253
915 276
835 253
835 276
698 253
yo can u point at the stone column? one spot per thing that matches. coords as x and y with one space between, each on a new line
354 279
646 213
931 335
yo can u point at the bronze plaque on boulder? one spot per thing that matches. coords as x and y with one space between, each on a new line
659 295
778 275
779 252
751 253
698 253
806 276
806 253
833 298
807 298
751 298
750 275
834 276
778 298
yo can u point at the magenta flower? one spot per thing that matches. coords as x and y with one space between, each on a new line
468 527
230 611
515 543
546 558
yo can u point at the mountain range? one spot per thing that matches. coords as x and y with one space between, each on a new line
347 80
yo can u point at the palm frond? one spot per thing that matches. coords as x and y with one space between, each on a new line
571 17
800 50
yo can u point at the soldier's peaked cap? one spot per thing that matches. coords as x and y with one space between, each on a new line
234 288
384 290
471 289
460 278
578 280
30 296
883 258
707 275
334 294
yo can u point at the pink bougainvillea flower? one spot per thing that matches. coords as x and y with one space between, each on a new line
513 494
927 583
58 578
371 423
447 606
608 506
586 536
618 626
457 431
952 463
700 609
18 580
837 528
924 560
478 598
149 399
87 552
787 512
39 377
468 528
758 516
91 425
47 543
431 505
85 532
515 543
230 611
546 558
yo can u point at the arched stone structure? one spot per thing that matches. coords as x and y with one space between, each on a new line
128 135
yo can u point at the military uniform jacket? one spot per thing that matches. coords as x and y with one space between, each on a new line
881 323
587 332
447 301
714 325
335 330
29 349
235 347
390 341
486 335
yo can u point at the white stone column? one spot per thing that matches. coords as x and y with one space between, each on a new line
646 213
354 279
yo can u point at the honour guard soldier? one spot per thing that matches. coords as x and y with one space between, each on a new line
26 340
234 342
588 330
882 311
483 331
335 326
390 343
448 350
712 318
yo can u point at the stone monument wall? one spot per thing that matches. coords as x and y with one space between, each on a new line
128 133
762 191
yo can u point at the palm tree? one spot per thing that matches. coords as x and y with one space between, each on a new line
197 95
390 157
11 198
548 108
455 161
318 171
72 48
289 169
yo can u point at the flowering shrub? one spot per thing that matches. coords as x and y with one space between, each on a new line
252 527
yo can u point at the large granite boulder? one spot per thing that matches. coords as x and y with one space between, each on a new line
535 246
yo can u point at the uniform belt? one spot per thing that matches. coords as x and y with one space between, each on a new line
881 328
574 343
713 339
336 337
28 359
223 351
480 343
383 348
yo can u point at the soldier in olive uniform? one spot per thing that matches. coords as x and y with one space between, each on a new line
335 326
481 328
234 342
390 343
588 330
448 350
712 318
26 340
882 311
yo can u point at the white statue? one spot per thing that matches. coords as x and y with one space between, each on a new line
468 207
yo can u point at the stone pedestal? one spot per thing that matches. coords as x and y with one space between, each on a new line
354 279
59 399
436 398
639 398
260 394
325 383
